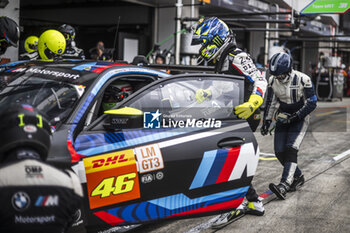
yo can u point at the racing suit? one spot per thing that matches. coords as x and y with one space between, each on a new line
29 56
296 97
36 197
73 52
234 61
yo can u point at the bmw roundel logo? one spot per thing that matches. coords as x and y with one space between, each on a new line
59 51
20 201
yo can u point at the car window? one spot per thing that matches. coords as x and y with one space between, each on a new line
115 92
178 99
55 100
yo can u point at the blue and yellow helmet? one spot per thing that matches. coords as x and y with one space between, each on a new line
212 34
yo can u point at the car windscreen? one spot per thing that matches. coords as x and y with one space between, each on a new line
54 99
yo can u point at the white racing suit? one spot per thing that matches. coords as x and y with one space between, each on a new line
36 197
236 62
294 96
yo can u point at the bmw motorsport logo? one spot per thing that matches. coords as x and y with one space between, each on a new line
20 201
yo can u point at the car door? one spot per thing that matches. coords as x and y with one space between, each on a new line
190 156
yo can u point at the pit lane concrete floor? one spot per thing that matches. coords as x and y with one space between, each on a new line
321 205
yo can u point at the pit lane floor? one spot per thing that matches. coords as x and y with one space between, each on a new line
321 205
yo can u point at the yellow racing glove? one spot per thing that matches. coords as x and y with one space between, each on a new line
202 95
246 109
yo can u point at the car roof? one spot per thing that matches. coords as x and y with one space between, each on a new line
71 71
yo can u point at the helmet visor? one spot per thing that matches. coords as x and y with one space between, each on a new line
33 46
208 51
196 39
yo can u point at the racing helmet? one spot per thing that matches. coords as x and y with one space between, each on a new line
31 44
9 33
23 126
68 32
212 34
51 44
116 92
280 66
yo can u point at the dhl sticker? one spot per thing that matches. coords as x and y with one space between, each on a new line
149 158
108 161
111 178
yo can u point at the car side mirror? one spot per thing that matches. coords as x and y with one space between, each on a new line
123 118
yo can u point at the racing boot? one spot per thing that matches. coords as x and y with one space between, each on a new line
254 208
297 183
280 190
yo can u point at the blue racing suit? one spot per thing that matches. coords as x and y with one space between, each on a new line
296 97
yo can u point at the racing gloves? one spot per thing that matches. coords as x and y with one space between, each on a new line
202 94
286 118
265 127
246 109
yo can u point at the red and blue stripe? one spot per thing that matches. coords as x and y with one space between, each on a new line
216 167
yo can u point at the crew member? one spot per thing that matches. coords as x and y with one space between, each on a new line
34 196
72 51
219 46
31 47
51 45
295 94
9 33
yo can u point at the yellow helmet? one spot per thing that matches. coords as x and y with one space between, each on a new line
51 43
31 44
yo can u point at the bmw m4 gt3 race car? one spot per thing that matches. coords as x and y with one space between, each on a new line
159 153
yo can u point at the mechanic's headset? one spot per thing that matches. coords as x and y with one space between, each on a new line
116 92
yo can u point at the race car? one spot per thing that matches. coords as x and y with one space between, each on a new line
159 153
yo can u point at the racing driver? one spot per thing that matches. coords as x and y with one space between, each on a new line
219 46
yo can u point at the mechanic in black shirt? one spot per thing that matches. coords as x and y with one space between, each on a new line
34 196
72 51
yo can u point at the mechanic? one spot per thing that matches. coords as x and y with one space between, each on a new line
72 51
219 46
51 45
9 33
160 58
116 92
31 47
294 93
35 197
100 53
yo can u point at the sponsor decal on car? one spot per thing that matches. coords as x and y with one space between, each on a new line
224 165
149 158
48 72
111 178
148 178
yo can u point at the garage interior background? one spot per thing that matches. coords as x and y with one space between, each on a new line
144 23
